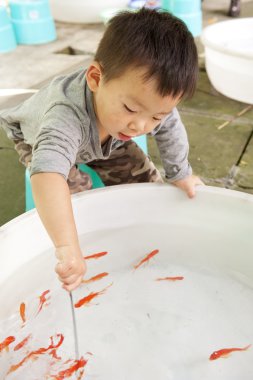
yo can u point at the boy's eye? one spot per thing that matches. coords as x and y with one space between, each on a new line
128 109
156 119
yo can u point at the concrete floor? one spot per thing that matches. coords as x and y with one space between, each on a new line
220 157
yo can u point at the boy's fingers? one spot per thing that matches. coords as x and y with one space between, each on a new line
62 268
70 276
65 269
71 279
191 192
70 269
191 189
73 286
66 273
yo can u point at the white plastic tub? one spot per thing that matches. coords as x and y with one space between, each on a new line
139 328
229 57
83 11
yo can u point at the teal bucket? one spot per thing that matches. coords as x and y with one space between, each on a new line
7 36
32 21
29 202
97 182
188 11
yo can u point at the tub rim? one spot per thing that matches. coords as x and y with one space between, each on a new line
76 197
217 47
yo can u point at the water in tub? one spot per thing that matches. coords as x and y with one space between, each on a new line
157 319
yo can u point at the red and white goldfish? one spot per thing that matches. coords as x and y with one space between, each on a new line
40 351
95 255
43 300
86 300
147 258
77 364
224 352
22 343
7 341
95 278
175 278
22 312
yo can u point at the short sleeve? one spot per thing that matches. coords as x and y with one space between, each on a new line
172 142
57 142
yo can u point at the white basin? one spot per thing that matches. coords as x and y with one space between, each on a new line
139 328
229 57
83 11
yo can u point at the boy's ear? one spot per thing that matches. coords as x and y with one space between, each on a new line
94 76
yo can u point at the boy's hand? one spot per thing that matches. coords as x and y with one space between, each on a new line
188 184
71 266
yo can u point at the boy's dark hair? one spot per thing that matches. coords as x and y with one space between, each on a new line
158 41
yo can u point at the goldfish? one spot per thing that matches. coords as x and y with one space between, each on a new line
86 300
40 351
54 354
6 342
95 255
22 311
95 278
225 352
43 300
73 368
81 373
176 278
22 343
147 258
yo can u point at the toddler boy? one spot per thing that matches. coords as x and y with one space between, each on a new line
145 64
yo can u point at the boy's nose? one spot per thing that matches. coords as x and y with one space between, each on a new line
137 126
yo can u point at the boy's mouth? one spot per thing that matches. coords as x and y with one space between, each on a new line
124 137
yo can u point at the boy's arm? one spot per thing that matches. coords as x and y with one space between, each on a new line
53 202
172 142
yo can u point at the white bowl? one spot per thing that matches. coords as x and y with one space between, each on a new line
107 14
138 328
82 11
229 57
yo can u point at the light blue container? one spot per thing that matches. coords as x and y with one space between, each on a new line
182 6
7 36
32 21
187 10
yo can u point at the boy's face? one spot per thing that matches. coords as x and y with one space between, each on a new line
127 107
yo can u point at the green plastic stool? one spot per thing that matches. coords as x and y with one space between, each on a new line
29 202
141 141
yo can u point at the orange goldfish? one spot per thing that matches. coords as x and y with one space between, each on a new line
40 351
176 278
73 368
6 342
95 278
86 300
147 258
225 352
81 373
43 300
22 343
54 354
22 311
95 255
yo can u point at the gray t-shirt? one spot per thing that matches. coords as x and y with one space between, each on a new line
59 122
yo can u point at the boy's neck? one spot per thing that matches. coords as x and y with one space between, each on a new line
103 135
